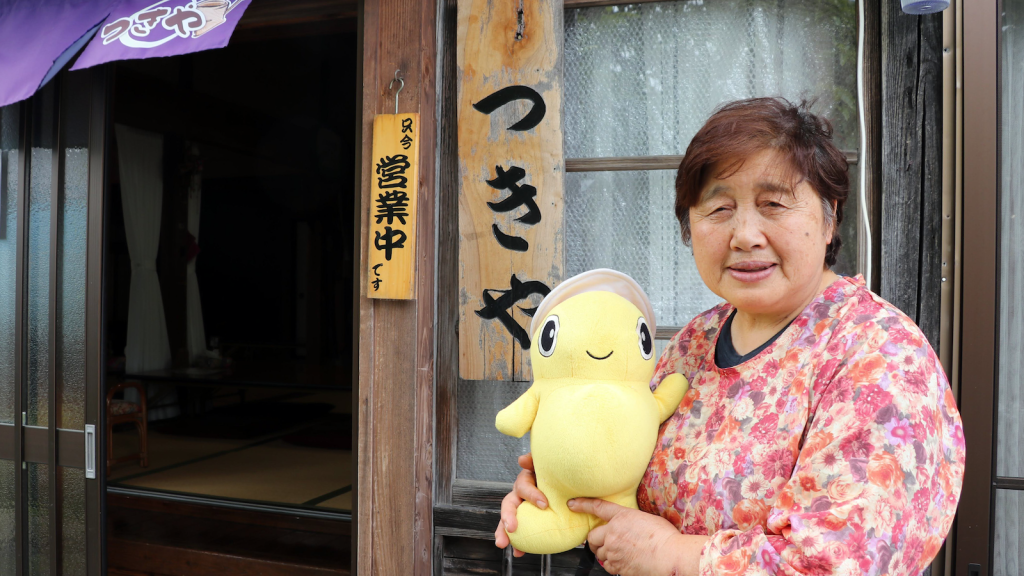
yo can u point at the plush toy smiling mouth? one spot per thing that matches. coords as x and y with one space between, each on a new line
601 358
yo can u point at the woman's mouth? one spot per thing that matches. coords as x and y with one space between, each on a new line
751 271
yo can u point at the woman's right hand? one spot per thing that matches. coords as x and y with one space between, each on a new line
525 488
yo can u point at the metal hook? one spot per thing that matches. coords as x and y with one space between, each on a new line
400 86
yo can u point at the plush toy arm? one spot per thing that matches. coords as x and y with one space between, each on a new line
669 394
517 418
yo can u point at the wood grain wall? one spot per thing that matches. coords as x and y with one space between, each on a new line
393 502
911 196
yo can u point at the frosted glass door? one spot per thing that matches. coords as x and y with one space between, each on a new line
10 137
50 385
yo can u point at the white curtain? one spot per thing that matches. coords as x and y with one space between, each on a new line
140 158
197 350
641 79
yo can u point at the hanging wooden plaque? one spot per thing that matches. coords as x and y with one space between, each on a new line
392 232
511 170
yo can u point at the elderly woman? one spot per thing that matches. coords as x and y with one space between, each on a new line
819 434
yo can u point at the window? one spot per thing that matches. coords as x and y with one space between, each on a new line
639 81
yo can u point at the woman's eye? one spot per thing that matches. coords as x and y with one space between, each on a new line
548 336
644 339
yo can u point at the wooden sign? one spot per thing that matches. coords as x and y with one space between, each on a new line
511 169
392 236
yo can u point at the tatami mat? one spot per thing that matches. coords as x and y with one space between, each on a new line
166 450
343 502
261 469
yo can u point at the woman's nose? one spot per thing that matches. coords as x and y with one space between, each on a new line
747 234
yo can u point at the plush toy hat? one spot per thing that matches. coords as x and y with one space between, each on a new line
596 280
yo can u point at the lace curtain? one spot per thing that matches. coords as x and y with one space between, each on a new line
641 79
1008 556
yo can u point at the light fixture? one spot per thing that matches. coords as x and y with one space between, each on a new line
924 6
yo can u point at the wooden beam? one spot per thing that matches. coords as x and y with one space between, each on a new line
445 401
298 30
467 522
267 13
273 19
911 266
570 4
626 163
396 338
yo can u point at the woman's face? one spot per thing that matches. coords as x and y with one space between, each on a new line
759 238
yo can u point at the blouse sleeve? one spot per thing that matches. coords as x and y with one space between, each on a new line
878 474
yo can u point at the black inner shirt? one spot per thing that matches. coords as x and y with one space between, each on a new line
726 355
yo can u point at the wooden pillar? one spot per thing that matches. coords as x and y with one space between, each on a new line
393 500
911 198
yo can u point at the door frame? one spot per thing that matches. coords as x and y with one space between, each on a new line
96 489
980 288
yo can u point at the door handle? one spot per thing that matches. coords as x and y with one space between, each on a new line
90 452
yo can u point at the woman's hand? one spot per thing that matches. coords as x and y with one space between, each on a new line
525 488
635 543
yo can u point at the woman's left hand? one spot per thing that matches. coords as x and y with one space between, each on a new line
635 543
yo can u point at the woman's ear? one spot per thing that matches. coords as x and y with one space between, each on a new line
831 232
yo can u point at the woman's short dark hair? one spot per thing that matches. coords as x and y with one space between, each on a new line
741 129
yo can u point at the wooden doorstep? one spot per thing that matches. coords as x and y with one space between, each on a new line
116 572
173 561
284 521
153 542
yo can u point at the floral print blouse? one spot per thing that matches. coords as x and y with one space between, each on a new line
836 450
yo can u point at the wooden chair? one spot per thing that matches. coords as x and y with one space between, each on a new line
122 411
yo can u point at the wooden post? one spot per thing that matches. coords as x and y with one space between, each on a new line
393 504
511 169
911 266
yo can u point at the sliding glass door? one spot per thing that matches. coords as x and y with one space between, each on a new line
51 216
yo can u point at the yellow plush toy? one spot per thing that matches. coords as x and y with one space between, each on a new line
592 416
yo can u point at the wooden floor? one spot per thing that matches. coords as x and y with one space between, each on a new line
148 537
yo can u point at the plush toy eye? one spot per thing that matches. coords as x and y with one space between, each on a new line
643 334
548 336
